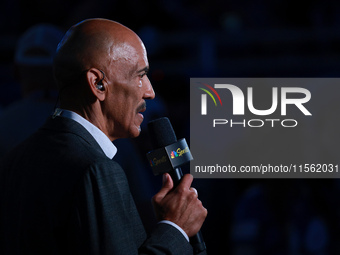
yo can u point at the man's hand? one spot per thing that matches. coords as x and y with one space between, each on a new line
180 205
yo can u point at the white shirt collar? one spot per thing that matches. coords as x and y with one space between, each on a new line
104 142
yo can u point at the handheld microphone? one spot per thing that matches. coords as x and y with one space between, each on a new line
168 156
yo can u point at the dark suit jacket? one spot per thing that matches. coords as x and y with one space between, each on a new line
60 194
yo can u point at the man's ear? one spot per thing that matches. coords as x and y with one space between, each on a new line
95 81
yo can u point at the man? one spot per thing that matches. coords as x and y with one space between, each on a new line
60 191
33 65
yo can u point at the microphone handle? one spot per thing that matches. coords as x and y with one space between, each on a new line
196 241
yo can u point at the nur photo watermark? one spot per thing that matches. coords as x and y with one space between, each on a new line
264 127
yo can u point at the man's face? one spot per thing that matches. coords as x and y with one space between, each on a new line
128 88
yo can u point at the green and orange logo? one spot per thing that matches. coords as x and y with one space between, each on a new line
204 98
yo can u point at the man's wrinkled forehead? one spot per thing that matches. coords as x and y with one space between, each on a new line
132 52
123 51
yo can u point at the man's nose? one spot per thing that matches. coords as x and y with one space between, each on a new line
149 92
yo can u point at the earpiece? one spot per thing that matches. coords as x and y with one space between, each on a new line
100 86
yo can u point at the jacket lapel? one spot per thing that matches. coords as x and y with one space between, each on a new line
62 124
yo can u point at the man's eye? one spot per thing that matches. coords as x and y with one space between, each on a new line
143 74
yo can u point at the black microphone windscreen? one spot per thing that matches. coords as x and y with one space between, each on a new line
161 133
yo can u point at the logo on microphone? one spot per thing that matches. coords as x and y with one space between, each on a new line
179 152
157 161
166 158
174 154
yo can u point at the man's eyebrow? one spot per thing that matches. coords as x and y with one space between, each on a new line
145 69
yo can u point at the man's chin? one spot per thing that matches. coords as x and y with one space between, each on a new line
135 132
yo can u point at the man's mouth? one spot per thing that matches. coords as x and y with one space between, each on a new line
141 108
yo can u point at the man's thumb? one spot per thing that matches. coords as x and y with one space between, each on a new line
167 185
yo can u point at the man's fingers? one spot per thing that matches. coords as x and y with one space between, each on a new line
186 181
180 205
194 190
166 187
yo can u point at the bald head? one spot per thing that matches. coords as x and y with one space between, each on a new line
92 43
101 67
